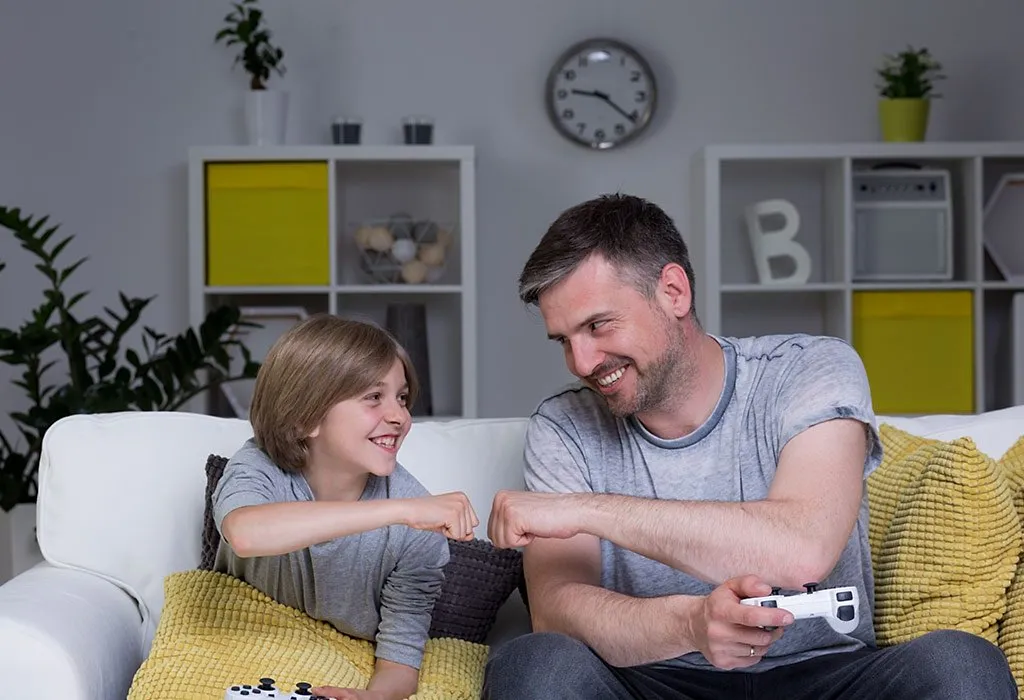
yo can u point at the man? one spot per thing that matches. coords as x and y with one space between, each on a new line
684 473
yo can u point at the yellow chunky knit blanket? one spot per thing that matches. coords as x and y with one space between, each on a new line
216 631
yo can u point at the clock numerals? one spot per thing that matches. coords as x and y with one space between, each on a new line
601 93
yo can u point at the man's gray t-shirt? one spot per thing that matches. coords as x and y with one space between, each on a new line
379 585
775 387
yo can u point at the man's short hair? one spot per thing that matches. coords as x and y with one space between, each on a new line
311 367
631 233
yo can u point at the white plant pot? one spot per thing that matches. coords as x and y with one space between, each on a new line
19 549
266 117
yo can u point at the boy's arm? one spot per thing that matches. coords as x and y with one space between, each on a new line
406 603
256 520
269 529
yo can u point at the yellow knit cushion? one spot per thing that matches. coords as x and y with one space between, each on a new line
216 631
1011 628
945 538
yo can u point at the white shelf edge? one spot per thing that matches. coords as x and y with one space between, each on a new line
756 288
379 153
342 289
397 289
864 150
818 287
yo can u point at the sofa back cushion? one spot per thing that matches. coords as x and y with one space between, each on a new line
121 495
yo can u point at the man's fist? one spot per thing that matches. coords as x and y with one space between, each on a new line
518 517
450 514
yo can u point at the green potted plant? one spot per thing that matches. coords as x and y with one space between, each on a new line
907 87
266 109
97 373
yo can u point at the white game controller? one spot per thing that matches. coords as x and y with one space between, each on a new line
839 606
266 689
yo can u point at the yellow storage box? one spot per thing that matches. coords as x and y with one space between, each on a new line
918 349
267 224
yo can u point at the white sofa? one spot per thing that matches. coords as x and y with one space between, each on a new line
121 503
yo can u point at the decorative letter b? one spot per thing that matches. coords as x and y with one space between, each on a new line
777 243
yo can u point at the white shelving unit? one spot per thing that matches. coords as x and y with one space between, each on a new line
818 179
365 185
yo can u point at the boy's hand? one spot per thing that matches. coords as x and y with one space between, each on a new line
329 691
451 514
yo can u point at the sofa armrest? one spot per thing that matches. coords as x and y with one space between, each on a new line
70 633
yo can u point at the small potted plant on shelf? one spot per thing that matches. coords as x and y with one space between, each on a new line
266 110
906 90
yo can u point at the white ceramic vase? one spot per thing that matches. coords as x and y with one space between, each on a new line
266 117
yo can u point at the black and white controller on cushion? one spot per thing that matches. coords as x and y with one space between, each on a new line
840 607
266 689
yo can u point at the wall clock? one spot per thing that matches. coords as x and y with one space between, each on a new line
601 93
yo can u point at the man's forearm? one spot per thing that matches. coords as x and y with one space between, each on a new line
710 540
622 630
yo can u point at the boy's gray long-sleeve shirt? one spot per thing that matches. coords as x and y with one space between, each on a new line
378 585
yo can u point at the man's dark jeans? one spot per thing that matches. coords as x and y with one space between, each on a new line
944 664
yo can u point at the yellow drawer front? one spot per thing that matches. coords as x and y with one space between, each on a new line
267 224
918 349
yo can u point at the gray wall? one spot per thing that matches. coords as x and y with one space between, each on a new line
99 102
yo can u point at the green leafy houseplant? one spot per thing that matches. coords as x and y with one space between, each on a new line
911 73
101 376
258 55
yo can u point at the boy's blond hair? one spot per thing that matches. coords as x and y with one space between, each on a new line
314 365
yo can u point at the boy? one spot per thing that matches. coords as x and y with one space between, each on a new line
316 512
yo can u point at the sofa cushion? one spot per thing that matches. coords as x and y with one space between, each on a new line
217 631
479 578
1011 627
211 537
945 537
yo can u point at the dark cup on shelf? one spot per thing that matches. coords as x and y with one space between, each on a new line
347 131
418 130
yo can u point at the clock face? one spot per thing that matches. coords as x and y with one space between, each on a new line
601 93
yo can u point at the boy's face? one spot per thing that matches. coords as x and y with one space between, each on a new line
363 434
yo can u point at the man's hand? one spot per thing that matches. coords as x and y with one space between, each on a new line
518 517
329 691
451 514
725 631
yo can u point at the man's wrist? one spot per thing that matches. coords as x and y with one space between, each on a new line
589 515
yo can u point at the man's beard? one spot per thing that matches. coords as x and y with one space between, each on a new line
658 385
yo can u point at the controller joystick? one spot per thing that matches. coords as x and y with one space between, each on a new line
302 690
838 606
266 684
776 590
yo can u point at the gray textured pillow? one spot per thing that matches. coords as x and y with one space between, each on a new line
211 538
479 578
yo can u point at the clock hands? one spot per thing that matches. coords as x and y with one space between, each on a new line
604 96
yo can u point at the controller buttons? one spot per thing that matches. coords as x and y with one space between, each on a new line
845 613
769 604
844 595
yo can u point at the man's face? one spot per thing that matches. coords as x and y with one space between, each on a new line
625 346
